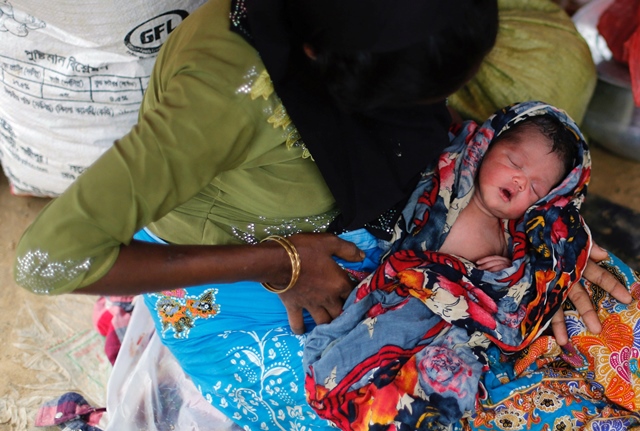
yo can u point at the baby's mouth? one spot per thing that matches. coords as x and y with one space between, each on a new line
506 194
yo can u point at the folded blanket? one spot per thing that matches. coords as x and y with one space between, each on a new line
410 346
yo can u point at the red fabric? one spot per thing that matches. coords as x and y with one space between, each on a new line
619 25
111 316
633 48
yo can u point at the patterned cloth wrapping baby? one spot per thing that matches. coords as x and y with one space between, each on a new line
410 347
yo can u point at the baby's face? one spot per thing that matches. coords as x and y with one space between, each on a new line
516 172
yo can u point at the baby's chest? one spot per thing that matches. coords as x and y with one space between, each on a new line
474 242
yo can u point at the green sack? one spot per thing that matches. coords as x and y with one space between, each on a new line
539 55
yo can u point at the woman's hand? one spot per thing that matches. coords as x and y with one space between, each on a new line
323 285
321 289
580 298
493 263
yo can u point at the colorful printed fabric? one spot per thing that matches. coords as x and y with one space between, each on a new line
614 354
69 412
592 386
234 342
424 320
111 315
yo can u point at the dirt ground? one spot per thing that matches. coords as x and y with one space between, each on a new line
614 178
15 215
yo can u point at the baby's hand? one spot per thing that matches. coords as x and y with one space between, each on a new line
493 263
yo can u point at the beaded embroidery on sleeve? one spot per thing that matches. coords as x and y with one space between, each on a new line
38 273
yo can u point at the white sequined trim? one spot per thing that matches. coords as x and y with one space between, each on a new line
286 227
35 271
249 79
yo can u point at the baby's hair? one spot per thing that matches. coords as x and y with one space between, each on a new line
564 141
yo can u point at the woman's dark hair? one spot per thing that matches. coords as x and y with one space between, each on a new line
425 70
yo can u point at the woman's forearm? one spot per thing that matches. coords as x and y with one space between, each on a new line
321 288
146 267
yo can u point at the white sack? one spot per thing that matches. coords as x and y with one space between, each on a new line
72 76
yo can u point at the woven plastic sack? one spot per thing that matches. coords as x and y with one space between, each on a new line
539 55
72 75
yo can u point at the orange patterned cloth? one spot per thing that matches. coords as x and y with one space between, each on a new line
590 384
614 354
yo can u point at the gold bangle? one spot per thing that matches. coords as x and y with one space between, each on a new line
295 262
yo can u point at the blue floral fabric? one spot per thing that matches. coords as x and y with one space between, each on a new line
234 341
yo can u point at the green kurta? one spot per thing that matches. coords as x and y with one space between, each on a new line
214 159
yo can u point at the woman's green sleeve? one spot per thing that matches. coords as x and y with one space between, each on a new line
184 138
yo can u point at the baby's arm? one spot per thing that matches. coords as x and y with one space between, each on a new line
493 263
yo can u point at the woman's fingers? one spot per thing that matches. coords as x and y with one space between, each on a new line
348 251
559 328
603 278
581 300
296 321
597 253
320 315
324 313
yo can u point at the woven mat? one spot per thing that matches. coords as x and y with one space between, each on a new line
60 352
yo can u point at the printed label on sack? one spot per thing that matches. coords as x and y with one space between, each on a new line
148 37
